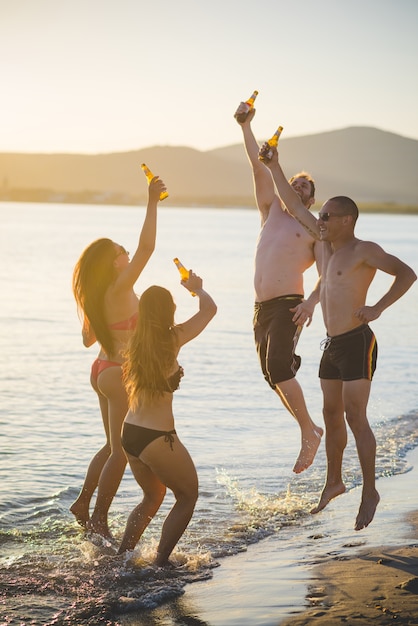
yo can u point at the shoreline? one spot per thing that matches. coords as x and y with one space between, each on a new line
328 575
95 198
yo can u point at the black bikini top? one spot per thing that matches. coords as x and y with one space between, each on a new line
173 381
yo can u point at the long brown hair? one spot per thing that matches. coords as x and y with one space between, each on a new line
152 348
93 273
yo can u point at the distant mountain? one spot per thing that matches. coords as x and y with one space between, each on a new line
367 164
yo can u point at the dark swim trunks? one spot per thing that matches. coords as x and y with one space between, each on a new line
276 337
350 356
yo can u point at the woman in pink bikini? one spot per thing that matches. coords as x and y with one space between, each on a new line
103 286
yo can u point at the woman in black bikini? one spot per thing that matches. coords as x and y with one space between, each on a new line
156 455
103 286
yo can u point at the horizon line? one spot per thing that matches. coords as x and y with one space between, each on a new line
168 145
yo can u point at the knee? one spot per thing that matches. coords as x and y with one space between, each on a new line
106 449
354 413
188 499
335 426
153 499
333 415
352 418
117 461
188 495
118 455
358 423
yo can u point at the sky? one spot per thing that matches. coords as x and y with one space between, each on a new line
100 76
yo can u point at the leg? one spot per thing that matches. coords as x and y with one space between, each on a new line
175 469
111 386
80 507
335 441
154 492
291 394
276 337
356 395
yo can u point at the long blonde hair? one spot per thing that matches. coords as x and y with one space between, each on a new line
153 347
93 273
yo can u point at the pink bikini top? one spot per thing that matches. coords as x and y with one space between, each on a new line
128 324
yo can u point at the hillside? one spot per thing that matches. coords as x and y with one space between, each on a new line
368 164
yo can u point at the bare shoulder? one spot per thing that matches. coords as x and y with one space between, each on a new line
373 255
368 248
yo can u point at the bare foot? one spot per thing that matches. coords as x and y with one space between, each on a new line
328 493
367 510
100 528
81 513
308 450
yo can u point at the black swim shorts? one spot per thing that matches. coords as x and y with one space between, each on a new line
276 337
350 356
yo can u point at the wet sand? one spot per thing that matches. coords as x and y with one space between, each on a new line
328 575
378 586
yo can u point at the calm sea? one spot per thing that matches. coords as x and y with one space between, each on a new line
243 442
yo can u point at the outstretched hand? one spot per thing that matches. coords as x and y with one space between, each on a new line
303 313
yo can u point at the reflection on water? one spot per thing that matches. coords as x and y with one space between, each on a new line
243 442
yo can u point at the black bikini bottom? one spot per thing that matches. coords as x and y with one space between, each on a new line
136 438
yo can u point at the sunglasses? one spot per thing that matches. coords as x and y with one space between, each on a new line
325 216
121 251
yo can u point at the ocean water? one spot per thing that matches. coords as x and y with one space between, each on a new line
243 442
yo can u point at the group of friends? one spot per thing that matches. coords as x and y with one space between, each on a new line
137 369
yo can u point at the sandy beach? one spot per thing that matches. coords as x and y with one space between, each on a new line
331 575
378 586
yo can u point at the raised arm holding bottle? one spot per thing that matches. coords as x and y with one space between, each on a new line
284 252
103 287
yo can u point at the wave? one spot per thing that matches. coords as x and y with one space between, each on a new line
53 573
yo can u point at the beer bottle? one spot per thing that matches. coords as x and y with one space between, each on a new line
267 153
184 273
241 117
150 176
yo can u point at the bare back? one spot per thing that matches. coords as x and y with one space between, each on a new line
157 412
119 307
284 251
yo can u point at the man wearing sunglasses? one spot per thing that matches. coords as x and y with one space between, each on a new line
284 251
350 349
